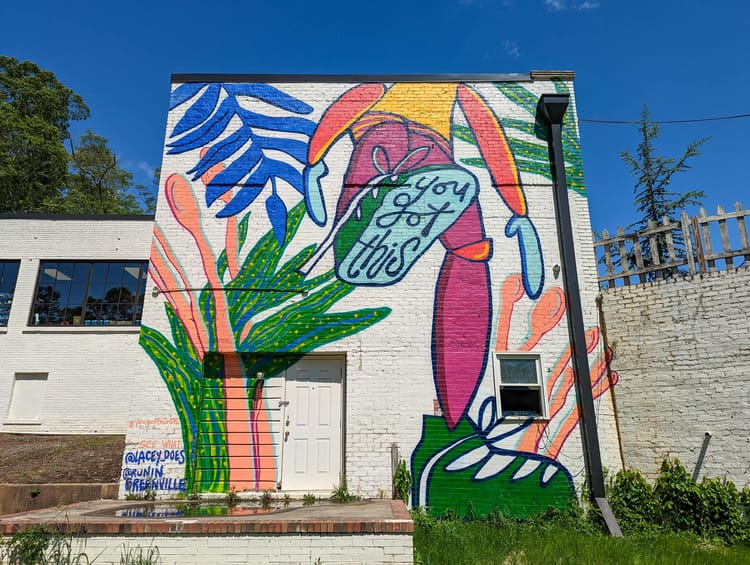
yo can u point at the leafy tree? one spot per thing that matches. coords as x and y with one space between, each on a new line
96 183
35 114
653 199
37 172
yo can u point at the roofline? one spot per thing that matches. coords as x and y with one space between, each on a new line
81 217
460 77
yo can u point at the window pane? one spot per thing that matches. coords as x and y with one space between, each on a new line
49 272
518 371
115 274
65 272
520 401
81 273
8 275
97 292
99 273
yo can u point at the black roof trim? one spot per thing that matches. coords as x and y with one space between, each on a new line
81 217
208 77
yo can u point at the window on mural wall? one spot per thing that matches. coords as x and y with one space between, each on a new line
520 386
8 275
89 293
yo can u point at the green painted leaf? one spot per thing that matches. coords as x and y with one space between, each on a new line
519 95
221 264
464 134
242 228
474 162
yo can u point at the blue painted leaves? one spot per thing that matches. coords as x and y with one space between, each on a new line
255 148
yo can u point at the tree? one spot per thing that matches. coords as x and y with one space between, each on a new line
96 183
35 114
653 199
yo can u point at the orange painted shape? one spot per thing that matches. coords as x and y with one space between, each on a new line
340 115
479 251
511 293
545 315
239 435
493 145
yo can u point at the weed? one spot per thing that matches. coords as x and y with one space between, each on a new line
266 500
341 494
402 482
308 499
232 499
39 545
287 500
147 494
140 556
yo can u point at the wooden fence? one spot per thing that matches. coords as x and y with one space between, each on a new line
674 249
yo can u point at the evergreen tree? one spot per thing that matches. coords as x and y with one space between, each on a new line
653 198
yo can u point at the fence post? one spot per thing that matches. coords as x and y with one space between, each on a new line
685 226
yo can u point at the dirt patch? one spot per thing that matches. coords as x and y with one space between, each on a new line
37 459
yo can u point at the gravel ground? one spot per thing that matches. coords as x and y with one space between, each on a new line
37 459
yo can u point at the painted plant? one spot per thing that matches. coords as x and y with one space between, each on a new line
250 305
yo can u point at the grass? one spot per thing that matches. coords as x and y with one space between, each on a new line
453 541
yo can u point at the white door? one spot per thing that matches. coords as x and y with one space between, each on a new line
311 452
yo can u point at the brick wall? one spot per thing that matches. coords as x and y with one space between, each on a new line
682 351
90 370
261 549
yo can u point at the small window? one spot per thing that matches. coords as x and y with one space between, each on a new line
8 275
520 385
89 293
27 397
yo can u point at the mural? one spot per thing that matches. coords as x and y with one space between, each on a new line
229 326
260 302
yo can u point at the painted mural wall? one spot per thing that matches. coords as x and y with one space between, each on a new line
408 228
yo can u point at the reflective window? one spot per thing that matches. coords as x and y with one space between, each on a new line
89 293
8 275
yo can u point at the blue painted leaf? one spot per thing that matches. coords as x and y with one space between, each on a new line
270 95
231 176
184 92
292 147
222 150
276 123
209 131
199 111
243 199
277 214
285 172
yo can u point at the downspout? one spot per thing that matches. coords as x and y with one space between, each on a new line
553 107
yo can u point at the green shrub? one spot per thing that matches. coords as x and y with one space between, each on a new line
711 509
633 501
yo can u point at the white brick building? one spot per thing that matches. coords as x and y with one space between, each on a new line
339 269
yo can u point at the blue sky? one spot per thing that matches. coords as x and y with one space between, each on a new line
686 59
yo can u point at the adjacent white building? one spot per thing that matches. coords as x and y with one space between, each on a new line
70 301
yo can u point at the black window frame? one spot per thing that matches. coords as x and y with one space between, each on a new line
6 302
97 305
